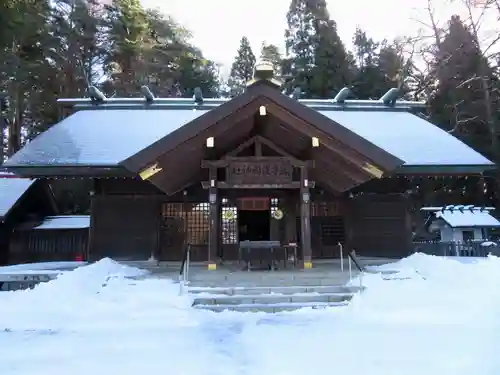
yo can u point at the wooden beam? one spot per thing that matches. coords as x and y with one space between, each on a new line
279 150
224 163
176 190
350 155
226 185
240 148
258 147
334 184
340 166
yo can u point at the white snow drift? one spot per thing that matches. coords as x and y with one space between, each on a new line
435 317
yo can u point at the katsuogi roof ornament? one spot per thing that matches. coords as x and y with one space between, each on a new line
264 70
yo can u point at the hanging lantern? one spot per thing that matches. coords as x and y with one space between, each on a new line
278 214
229 215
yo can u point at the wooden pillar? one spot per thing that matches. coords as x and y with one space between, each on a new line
213 237
348 212
95 192
290 219
305 218
481 197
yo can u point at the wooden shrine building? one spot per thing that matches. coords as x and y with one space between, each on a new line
261 166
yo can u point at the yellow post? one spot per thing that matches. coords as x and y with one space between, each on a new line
212 266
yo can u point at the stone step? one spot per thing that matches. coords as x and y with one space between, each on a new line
268 282
270 275
271 308
245 299
254 290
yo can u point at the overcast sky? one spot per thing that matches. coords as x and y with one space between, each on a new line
218 25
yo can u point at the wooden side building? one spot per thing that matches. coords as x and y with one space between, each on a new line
261 166
21 200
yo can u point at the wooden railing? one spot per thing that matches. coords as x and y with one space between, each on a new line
462 249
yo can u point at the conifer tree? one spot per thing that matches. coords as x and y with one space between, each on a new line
317 61
242 68
458 101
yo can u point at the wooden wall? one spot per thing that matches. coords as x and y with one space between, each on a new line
28 246
5 234
132 219
380 225
35 204
124 227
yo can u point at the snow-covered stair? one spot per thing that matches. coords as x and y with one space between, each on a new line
271 299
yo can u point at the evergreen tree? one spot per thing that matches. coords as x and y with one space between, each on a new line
127 32
242 68
300 42
24 67
380 66
271 53
70 44
367 73
458 101
332 70
317 61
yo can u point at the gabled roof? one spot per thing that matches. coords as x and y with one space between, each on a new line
465 216
410 138
99 137
11 190
244 106
111 136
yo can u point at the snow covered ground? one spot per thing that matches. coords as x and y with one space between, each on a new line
436 317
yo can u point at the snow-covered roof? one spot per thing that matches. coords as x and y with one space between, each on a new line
65 222
11 190
465 216
408 137
107 137
100 137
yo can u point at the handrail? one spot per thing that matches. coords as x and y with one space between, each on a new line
185 257
353 258
184 270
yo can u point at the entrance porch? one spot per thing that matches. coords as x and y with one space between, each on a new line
257 215
256 155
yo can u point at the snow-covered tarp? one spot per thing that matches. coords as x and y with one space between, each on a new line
441 318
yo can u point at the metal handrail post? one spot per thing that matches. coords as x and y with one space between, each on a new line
341 257
188 261
350 268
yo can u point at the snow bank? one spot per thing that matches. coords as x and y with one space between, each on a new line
436 316
77 297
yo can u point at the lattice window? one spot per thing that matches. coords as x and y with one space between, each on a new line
171 209
333 232
229 220
198 224
191 219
